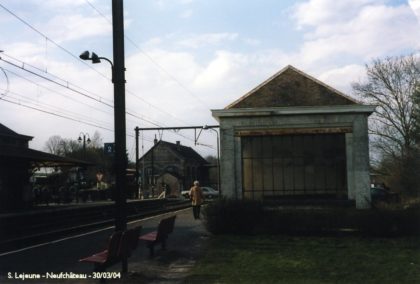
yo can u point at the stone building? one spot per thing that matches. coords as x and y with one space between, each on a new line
295 137
173 167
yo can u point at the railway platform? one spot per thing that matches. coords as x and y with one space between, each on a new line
57 261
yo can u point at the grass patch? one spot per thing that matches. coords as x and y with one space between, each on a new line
280 259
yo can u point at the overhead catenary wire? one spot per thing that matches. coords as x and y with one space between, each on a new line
62 116
50 40
67 85
53 91
68 52
65 82
55 114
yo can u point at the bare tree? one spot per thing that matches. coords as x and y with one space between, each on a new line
391 84
53 145
60 146
96 141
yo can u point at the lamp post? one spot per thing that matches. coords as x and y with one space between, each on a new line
120 153
84 135
118 79
205 127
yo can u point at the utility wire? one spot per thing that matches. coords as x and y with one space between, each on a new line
67 83
76 91
18 103
54 91
52 41
55 114
72 55
55 82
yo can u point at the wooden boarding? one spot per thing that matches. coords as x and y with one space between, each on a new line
120 246
166 226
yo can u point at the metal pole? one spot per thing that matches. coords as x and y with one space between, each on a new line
119 117
218 163
137 161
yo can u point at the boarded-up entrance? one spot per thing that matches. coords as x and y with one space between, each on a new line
294 165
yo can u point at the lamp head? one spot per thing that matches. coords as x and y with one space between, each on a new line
80 139
85 55
95 58
88 140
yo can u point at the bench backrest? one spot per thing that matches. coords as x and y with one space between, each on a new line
166 226
129 240
114 245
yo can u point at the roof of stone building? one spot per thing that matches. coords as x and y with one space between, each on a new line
291 87
184 151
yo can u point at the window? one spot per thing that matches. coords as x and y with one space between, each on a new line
311 164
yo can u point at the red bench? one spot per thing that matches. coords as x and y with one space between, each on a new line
166 226
120 246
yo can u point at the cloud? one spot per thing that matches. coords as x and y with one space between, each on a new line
415 6
197 41
371 31
186 14
342 77
319 12
76 27
53 4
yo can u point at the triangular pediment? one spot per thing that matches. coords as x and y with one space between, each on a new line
291 87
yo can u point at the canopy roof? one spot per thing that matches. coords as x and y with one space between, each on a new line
38 158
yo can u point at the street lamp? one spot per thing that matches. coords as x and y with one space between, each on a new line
118 79
96 59
120 142
84 135
205 127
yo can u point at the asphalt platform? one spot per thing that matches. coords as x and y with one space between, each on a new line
184 247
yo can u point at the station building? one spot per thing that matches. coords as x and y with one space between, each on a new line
294 137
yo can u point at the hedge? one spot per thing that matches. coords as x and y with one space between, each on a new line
228 216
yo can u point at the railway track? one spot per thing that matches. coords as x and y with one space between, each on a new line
25 229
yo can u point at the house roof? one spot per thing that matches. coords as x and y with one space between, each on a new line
184 151
291 87
38 158
5 131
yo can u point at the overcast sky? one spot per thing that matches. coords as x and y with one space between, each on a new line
183 58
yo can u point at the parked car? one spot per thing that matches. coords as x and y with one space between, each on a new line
382 194
208 192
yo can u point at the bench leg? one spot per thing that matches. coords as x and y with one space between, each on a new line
151 246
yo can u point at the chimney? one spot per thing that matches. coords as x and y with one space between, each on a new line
155 140
178 145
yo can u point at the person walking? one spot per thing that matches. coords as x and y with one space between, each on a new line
196 195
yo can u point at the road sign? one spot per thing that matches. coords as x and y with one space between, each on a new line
109 148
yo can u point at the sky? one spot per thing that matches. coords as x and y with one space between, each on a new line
183 58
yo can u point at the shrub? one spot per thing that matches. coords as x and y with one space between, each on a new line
227 216
233 216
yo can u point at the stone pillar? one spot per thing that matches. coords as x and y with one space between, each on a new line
238 168
350 167
227 161
361 162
